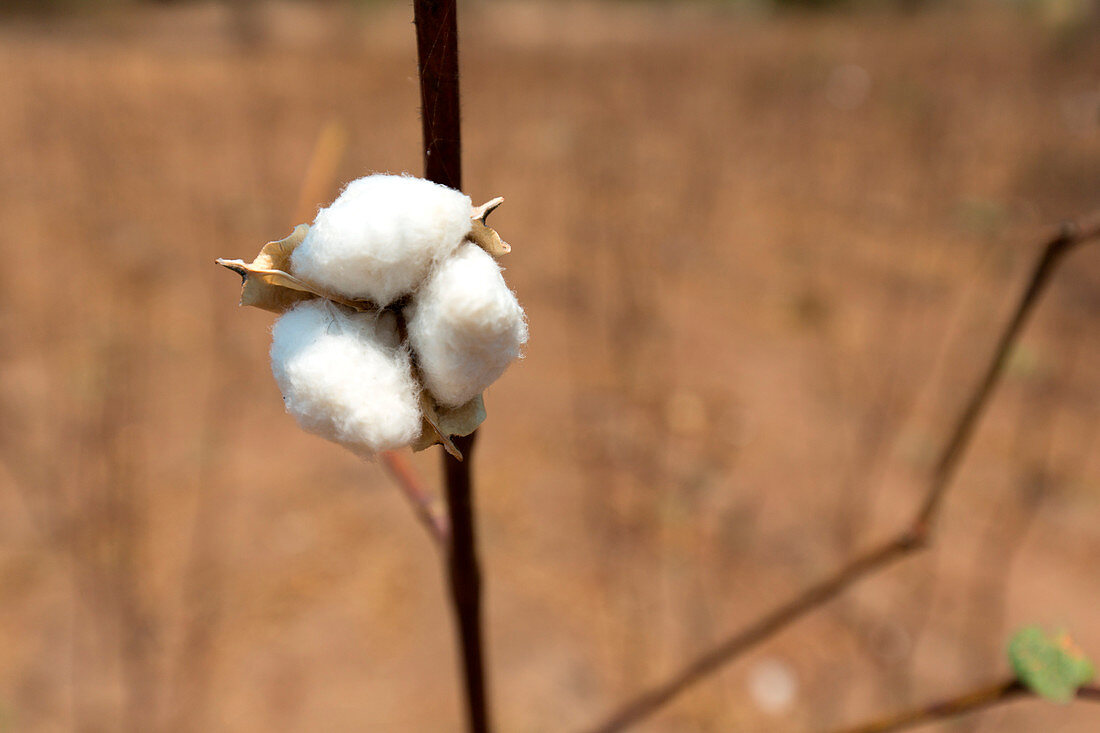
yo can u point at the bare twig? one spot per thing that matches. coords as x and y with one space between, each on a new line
419 498
437 54
914 537
1068 236
764 627
979 699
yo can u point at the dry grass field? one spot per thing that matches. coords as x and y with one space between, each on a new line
764 256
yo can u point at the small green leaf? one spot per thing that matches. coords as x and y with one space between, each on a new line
1052 667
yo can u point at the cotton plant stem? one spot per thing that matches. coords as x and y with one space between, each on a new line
437 54
974 700
913 538
465 580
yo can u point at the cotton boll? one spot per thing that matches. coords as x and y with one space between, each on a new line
344 376
379 239
465 326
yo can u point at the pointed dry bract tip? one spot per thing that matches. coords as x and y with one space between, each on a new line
237 266
482 234
482 212
269 285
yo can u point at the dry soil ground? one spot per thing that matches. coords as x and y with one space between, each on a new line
763 259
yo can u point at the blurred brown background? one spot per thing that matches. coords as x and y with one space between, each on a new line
764 251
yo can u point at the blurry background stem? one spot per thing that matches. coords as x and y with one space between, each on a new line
916 536
968 702
437 56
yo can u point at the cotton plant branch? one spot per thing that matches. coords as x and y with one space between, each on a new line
1068 236
763 628
437 57
969 702
421 501
914 537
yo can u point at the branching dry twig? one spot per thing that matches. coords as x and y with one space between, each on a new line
914 537
437 54
1069 235
764 627
979 699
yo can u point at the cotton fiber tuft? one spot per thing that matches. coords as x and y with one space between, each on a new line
380 238
440 326
346 377
465 326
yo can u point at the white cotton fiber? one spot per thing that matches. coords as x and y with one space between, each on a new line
465 326
345 376
380 238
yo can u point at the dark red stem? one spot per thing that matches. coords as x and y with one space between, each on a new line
437 55
465 580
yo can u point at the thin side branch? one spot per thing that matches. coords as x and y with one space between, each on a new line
979 699
764 627
915 537
1069 235
419 499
